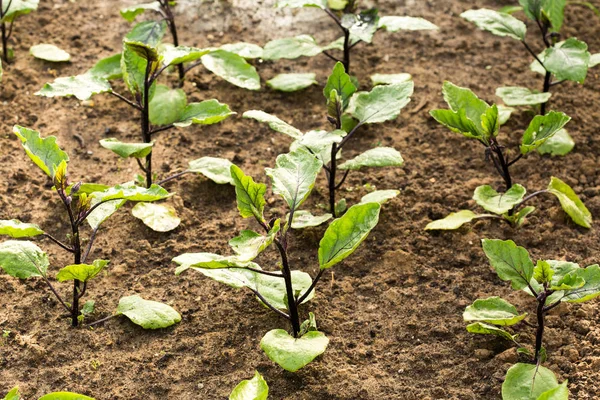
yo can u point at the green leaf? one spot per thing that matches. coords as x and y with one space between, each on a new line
233 68
594 60
290 353
554 10
17 229
390 79
568 60
253 389
81 272
499 24
493 310
466 103
511 262
590 289
459 122
532 8
172 55
49 52
345 234
510 9
88 307
570 202
291 48
339 81
132 193
210 261
560 144
302 3
379 196
383 103
519 96
504 114
394 24
274 123
144 39
250 195
292 82
453 220
133 67
362 26
541 128
103 212
243 49
569 282
15 8
65 396
129 13
499 203
215 169
108 68
518 219
304 219
125 150
146 313
319 143
543 272
44 152
294 176
13 394
206 112
81 86
22 259
377 157
486 329
249 244
158 217
558 393
167 105
527 382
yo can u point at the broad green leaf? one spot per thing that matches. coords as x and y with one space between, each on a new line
291 48
527 382
452 221
510 9
81 272
108 68
167 105
134 68
394 24
129 13
132 193
103 212
462 100
486 329
87 188
22 259
249 244
341 82
13 394
210 261
274 123
383 103
17 229
499 24
570 202
590 289
504 114
345 234
304 219
243 49
319 143
390 79
88 307
294 176
514 96
338 44
554 10
253 389
158 217
377 157
125 150
532 8
362 26
518 219
215 169
493 310
569 282
65 396
49 52
379 196
81 86
172 55
560 144
302 3
459 122
206 112
292 82
337 4
594 60
541 128
44 152
290 353
144 39
511 262
146 313
15 8
543 272
250 195
568 60
558 393
233 68
499 203
274 291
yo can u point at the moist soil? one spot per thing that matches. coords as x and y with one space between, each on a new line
392 311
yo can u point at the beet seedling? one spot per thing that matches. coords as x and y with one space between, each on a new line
475 119
347 111
293 179
551 283
10 10
82 202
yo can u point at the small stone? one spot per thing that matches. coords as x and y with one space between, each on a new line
508 356
483 354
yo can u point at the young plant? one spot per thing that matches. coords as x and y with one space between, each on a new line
550 283
82 202
347 111
10 10
475 119
293 178
252 389
356 27
14 394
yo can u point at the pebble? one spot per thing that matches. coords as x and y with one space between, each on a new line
483 354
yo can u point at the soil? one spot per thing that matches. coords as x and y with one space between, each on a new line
393 311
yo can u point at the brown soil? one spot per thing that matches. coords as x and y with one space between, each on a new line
392 310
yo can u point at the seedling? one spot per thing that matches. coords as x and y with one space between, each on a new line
14 394
10 10
293 178
347 111
82 202
356 27
551 283
252 389
475 119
